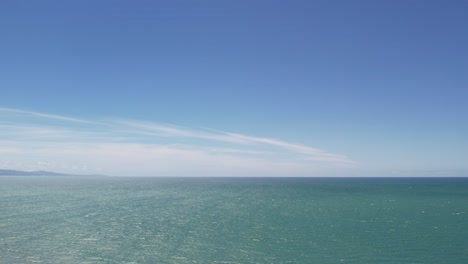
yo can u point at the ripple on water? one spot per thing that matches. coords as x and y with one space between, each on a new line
230 221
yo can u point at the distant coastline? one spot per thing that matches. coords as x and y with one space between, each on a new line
4 172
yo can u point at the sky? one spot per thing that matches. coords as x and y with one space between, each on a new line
235 88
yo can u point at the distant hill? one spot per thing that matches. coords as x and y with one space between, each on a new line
35 173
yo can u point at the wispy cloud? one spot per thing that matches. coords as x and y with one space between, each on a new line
122 146
44 115
173 131
309 152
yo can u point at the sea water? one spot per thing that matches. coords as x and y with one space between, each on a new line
233 220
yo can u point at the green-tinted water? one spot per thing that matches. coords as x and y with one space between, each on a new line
203 220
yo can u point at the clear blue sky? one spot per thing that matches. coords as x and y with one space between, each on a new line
375 88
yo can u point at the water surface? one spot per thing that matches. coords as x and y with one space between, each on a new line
233 220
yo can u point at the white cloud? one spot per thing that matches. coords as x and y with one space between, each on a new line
43 115
154 160
311 153
131 147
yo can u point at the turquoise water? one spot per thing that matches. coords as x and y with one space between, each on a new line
233 220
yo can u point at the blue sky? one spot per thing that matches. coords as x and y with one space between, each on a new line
235 88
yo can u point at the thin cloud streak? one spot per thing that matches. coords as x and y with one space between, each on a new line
312 153
44 115
165 130
118 146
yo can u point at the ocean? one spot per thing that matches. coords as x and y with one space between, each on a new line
233 220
